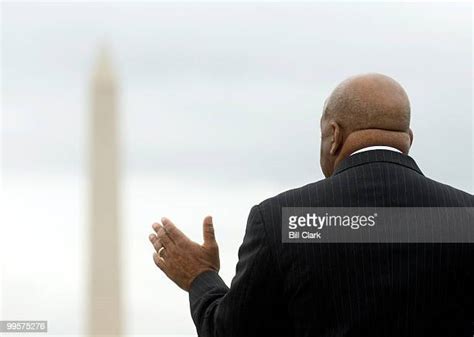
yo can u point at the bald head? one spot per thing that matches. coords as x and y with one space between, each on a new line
369 101
364 110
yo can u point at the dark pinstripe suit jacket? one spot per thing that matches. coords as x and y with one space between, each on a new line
378 289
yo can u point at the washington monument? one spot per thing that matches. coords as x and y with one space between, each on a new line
104 306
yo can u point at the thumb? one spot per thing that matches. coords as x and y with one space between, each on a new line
208 231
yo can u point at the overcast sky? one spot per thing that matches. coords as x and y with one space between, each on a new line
231 88
219 109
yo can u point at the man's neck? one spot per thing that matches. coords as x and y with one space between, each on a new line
361 139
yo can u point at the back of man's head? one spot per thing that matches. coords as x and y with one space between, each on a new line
364 110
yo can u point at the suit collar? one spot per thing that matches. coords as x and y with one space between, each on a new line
377 156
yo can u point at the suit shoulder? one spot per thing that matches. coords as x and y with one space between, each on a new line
456 196
299 196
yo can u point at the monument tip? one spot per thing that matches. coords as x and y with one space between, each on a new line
103 69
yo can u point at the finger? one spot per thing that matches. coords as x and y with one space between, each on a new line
173 232
156 243
208 231
163 238
156 226
162 252
159 261
152 238
161 233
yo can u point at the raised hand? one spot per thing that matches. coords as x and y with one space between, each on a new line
181 259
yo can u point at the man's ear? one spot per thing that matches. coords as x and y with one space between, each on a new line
336 141
410 133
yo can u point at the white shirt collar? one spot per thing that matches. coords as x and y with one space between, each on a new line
370 148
